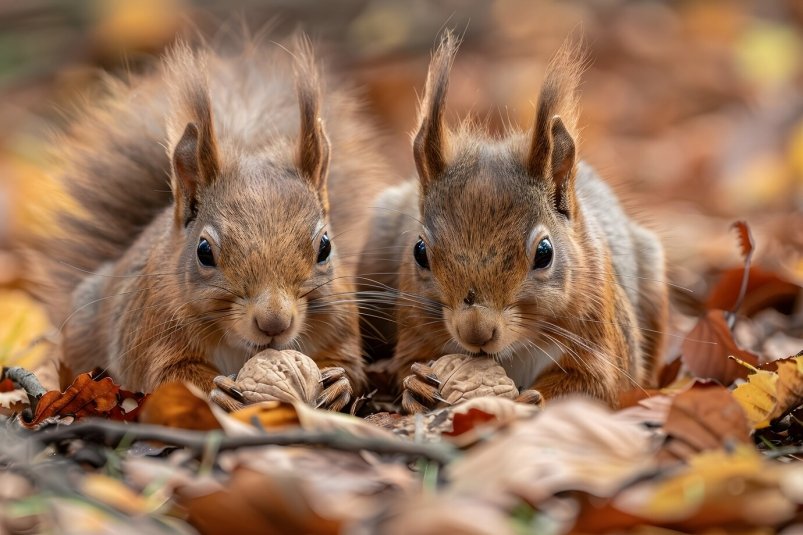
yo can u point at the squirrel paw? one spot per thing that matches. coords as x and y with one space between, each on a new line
421 390
531 397
337 390
226 395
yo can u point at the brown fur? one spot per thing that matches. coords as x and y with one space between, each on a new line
481 207
239 170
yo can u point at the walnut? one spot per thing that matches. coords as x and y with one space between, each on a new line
466 377
285 375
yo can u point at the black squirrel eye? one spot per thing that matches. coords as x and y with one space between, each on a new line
205 256
325 249
543 254
420 254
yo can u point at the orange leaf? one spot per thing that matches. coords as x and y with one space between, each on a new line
707 347
175 405
746 243
7 385
464 422
85 397
765 289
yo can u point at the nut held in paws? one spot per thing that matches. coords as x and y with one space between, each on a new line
285 375
466 377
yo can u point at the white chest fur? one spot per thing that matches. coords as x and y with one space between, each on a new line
229 359
529 361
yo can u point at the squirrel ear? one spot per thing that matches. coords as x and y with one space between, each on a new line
195 154
552 152
312 153
187 174
562 166
430 146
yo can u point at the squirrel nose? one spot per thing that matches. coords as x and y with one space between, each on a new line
273 324
478 335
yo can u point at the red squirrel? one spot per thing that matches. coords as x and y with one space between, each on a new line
516 250
210 196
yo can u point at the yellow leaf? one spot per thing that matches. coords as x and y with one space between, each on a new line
112 492
269 414
24 322
768 395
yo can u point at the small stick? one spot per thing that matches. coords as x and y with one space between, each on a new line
28 382
111 433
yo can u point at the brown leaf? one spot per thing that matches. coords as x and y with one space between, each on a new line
707 347
444 513
669 373
434 424
572 444
175 405
730 490
745 237
706 417
765 289
254 503
7 385
85 397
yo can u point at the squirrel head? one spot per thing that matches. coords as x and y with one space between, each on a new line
252 224
499 243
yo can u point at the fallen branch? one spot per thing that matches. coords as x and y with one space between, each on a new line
27 381
112 433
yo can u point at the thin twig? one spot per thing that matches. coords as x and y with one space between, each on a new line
783 451
111 433
27 381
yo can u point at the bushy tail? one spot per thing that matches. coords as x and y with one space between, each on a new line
115 170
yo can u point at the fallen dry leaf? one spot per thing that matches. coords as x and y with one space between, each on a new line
717 489
768 395
267 414
442 513
114 493
85 397
765 289
432 425
707 347
572 444
178 405
706 417
279 376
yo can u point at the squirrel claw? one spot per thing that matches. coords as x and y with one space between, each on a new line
337 390
531 397
419 394
225 401
426 373
229 386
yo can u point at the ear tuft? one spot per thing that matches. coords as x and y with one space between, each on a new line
312 153
551 157
430 146
194 153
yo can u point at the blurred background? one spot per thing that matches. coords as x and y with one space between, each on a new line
692 109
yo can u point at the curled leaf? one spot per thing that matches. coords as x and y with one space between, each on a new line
768 395
178 405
